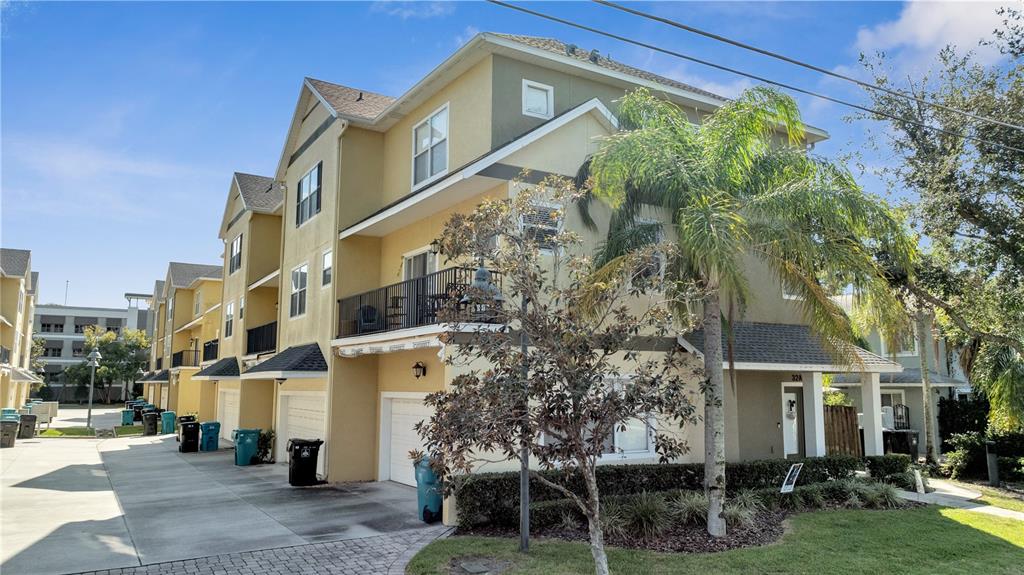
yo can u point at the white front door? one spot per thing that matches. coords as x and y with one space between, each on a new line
227 412
164 390
400 437
301 416
790 424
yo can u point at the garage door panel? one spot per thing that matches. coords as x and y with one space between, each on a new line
405 414
301 417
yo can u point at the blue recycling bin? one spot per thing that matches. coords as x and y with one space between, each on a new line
246 442
209 441
127 416
167 422
428 492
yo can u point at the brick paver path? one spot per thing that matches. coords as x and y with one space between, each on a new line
382 554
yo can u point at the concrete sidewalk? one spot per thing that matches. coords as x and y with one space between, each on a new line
949 495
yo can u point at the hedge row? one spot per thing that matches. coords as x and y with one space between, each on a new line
880 466
493 498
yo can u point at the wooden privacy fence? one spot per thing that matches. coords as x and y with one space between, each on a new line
842 434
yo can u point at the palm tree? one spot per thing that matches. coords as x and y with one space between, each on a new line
740 185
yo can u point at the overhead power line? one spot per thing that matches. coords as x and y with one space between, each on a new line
802 64
751 76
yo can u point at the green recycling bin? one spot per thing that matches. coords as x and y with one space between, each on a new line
209 441
167 422
127 416
428 492
246 442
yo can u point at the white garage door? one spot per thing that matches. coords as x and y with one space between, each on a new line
405 413
301 416
227 412
164 389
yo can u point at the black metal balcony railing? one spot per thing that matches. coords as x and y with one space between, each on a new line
211 349
185 358
159 363
261 339
901 416
5 355
414 303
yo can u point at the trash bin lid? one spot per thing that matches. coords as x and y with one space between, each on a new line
296 442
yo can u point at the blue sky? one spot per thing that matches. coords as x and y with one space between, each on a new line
121 118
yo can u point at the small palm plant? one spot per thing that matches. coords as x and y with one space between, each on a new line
741 189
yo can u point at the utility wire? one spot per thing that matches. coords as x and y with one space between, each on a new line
751 76
794 61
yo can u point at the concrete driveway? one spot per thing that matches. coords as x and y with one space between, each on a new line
73 505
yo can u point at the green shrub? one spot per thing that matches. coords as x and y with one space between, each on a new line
646 514
888 497
738 516
688 507
880 466
613 521
493 498
552 513
1011 468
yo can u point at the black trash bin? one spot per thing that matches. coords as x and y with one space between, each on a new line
138 411
184 419
189 436
302 456
149 422
27 426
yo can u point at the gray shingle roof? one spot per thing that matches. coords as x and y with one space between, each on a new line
907 376
35 283
561 48
226 367
182 275
162 375
14 262
782 343
259 193
296 358
351 101
158 290
21 374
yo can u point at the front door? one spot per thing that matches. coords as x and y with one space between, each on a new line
790 423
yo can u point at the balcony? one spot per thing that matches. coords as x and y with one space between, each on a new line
261 339
185 358
414 303
211 349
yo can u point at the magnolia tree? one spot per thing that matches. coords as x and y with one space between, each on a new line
602 353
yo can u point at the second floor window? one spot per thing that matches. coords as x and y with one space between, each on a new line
229 319
430 147
241 307
297 304
198 307
308 197
235 261
541 223
80 328
52 327
538 100
328 268
51 352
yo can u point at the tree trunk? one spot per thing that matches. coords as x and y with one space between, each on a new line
594 523
923 328
714 415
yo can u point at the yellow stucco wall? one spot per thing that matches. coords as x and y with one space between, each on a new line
256 404
351 444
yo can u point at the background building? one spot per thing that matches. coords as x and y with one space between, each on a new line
63 329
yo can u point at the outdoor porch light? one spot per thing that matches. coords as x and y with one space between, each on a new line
435 247
482 284
94 358
419 369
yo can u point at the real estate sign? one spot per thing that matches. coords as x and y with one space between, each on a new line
790 482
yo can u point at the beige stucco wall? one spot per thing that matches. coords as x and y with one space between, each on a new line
256 404
352 425
758 410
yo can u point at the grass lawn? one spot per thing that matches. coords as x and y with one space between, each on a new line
922 540
993 496
127 430
69 432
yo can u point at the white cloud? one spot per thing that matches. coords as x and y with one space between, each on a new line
406 10
924 28
681 73
467 35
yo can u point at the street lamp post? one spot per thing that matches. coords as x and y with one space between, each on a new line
94 362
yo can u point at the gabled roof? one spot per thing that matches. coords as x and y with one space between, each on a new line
348 101
158 290
223 368
909 375
296 358
572 51
783 344
162 375
259 193
183 275
14 262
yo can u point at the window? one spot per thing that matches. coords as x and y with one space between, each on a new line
630 440
229 319
905 346
241 307
308 197
327 269
235 261
538 100
892 398
541 223
430 147
297 305
78 350
52 327
21 300
51 352
198 306
417 265
80 328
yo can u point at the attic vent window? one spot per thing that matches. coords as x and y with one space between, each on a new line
595 56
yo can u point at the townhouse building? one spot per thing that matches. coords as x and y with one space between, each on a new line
330 282
18 289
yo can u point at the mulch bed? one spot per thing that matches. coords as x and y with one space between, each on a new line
766 528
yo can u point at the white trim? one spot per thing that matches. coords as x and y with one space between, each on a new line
212 308
448 153
907 385
264 279
894 391
190 324
825 368
550 90
229 309
290 292
277 424
384 415
431 259
594 105
284 375
330 283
